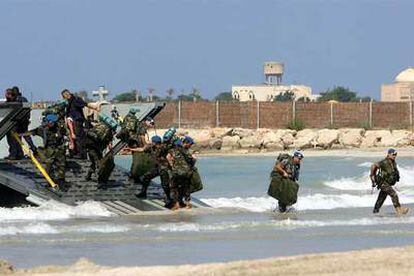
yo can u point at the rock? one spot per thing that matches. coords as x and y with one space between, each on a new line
402 138
351 137
220 132
242 132
375 138
306 138
230 142
327 137
5 267
215 143
199 135
271 137
250 142
288 138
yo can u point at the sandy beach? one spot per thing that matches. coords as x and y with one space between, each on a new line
388 261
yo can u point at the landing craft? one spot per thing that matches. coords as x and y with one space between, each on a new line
22 183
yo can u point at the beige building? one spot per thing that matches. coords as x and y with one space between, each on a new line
402 90
273 72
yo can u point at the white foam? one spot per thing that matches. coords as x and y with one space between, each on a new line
33 228
53 210
363 182
309 202
286 223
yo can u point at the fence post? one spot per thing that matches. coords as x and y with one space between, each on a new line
179 114
258 115
293 110
217 114
411 115
332 115
370 113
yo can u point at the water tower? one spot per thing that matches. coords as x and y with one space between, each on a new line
273 72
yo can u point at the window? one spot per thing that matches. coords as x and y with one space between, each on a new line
236 95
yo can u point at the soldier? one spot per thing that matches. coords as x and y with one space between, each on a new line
98 138
384 175
153 150
54 148
76 117
180 175
284 177
15 150
115 114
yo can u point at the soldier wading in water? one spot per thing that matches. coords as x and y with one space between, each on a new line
384 175
284 177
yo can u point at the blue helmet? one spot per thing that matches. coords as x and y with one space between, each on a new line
298 154
51 118
156 139
188 140
133 110
178 143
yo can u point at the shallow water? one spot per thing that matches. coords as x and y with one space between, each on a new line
333 213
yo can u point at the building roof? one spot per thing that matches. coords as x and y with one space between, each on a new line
405 76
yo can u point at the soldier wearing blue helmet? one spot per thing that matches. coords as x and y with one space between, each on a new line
54 149
98 138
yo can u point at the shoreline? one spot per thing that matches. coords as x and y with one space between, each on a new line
351 152
379 261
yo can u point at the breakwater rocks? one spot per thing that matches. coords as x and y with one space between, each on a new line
248 140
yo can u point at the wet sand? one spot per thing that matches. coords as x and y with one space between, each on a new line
388 261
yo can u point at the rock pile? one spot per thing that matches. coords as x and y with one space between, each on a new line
230 139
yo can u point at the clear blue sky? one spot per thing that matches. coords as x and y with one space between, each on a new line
48 45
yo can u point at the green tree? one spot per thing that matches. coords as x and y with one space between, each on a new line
303 99
224 96
340 94
287 96
126 97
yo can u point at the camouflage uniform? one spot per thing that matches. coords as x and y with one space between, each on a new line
180 175
164 169
285 189
188 156
54 149
387 177
97 140
132 131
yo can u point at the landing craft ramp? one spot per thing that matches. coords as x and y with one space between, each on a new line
22 183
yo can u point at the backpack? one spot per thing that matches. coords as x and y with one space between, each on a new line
180 166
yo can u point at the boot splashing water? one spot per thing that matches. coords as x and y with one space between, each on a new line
401 210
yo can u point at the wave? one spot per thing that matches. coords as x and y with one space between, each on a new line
309 202
44 228
363 181
53 210
286 223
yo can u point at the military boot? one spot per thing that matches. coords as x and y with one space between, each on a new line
401 210
88 176
188 205
142 194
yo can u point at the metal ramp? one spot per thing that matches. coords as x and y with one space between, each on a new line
26 185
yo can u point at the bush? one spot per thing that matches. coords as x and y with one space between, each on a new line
296 125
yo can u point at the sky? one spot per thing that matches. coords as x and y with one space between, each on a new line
48 45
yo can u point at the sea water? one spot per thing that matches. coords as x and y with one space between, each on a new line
333 213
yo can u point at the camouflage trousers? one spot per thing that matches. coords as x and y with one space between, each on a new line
180 188
386 190
95 156
55 162
165 180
